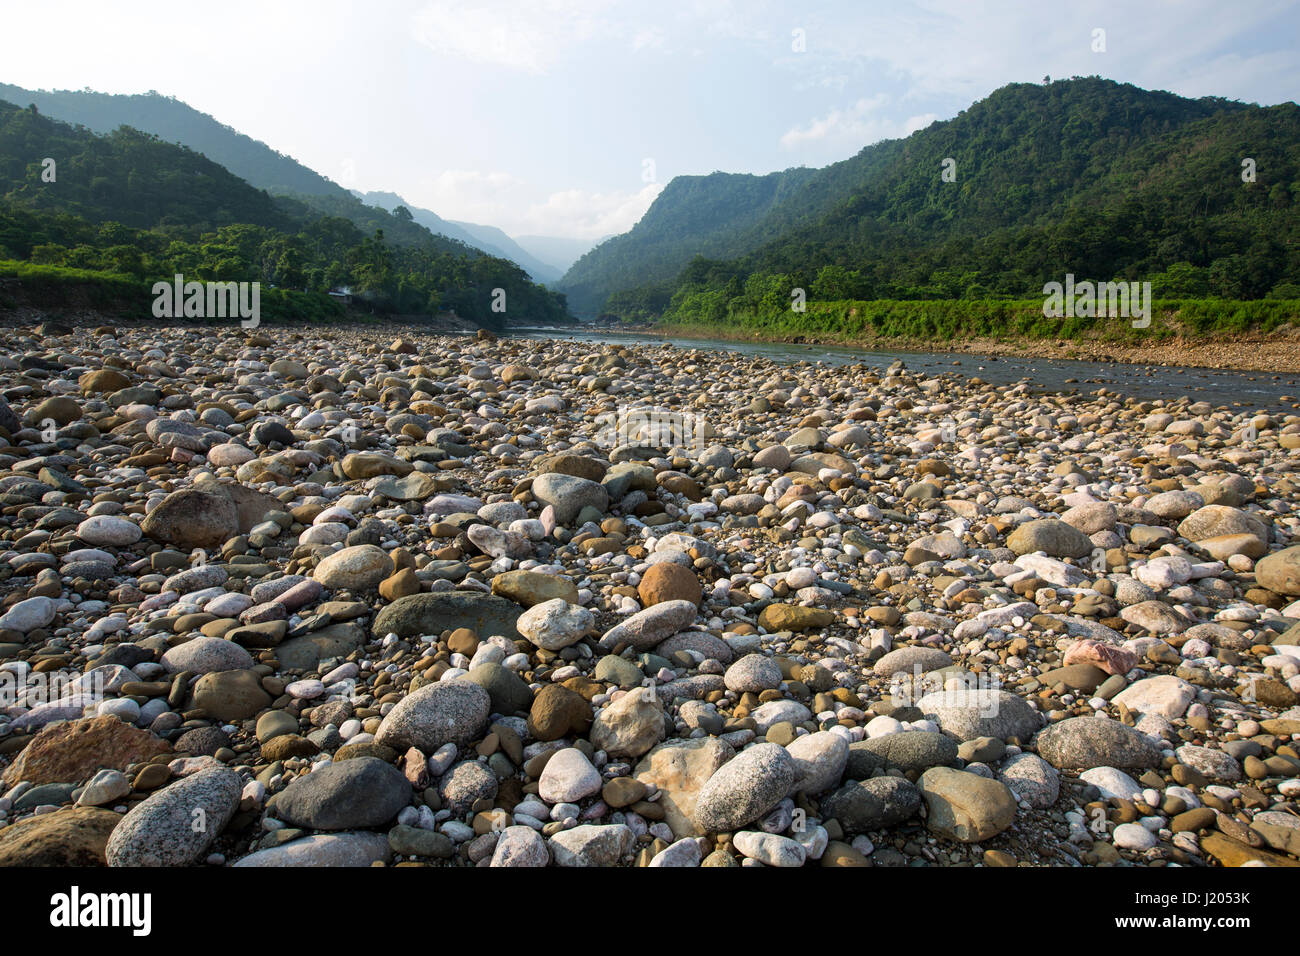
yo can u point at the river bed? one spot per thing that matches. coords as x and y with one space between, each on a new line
1266 391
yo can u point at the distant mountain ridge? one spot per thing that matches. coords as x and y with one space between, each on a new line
556 251
490 237
430 220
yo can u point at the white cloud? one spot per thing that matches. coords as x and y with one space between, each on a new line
540 35
589 215
957 51
858 125
523 208
468 194
532 37
648 38
473 184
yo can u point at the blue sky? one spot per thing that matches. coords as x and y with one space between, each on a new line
566 117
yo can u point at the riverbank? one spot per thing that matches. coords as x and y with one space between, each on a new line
25 318
1277 352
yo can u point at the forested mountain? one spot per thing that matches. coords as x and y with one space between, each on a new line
692 216
498 243
400 230
131 204
1088 176
175 122
488 238
127 177
424 217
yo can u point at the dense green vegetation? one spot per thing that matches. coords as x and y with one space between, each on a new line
1085 176
960 320
59 289
126 177
131 205
487 238
261 166
175 122
692 216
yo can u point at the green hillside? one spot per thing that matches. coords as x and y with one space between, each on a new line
693 216
1088 176
129 204
175 122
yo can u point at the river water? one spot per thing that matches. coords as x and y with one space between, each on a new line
1264 391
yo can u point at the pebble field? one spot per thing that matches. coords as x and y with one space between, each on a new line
367 596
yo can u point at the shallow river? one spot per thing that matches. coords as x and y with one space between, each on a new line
1239 390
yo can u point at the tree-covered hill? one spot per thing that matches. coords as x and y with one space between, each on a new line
125 176
129 204
173 121
1088 176
487 238
496 242
693 216
176 122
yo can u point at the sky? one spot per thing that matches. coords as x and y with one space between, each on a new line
566 117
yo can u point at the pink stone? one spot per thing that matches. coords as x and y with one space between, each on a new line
129 594
161 599
261 613
185 766
300 595
417 769
1109 657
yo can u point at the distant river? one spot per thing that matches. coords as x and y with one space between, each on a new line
1236 390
